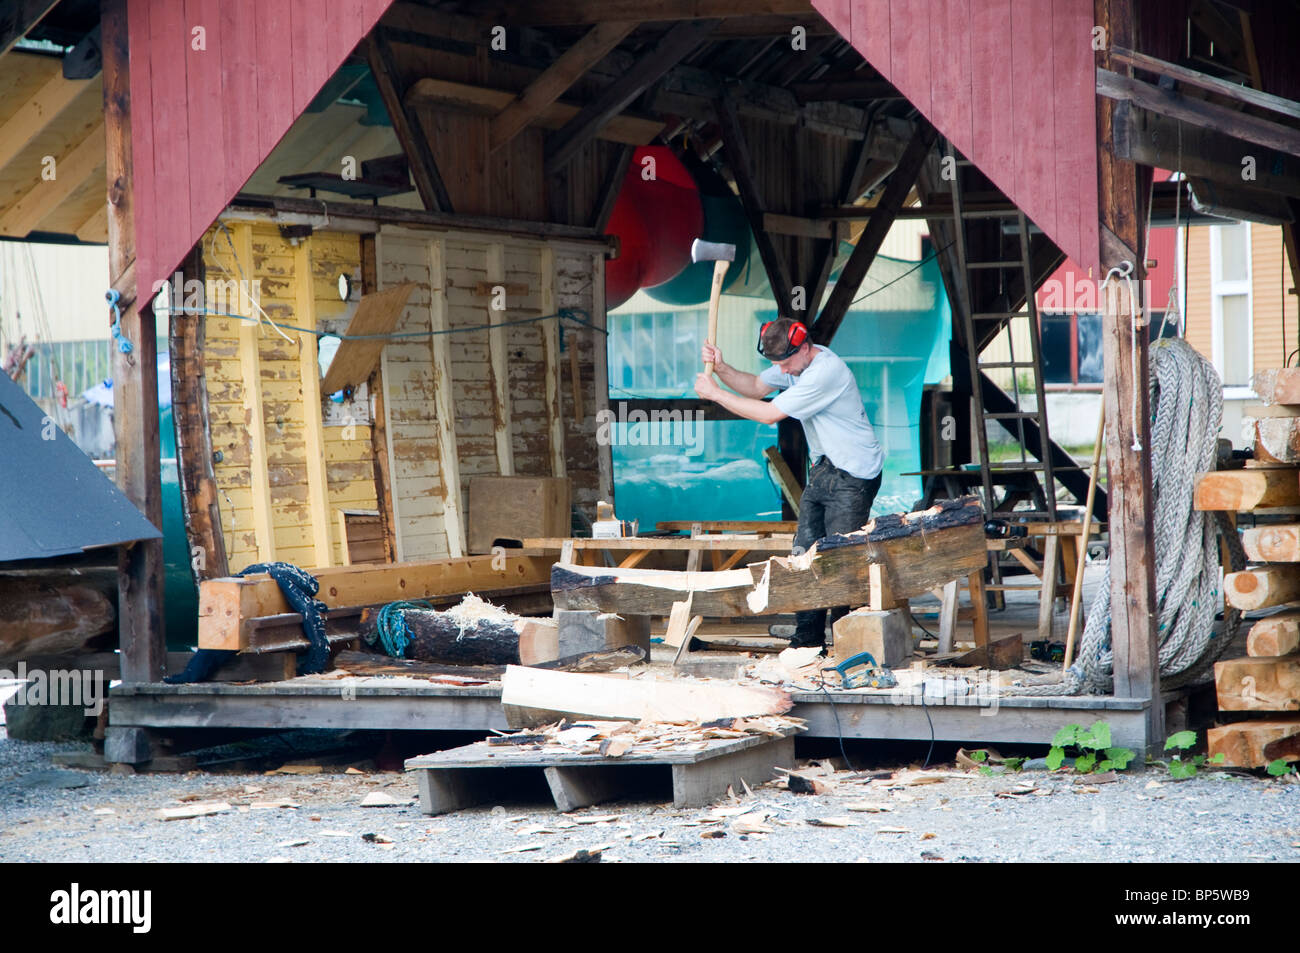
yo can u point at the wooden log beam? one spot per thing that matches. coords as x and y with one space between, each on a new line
456 637
1272 544
1258 684
1121 213
410 132
1199 112
558 77
18 18
228 606
676 45
873 236
1239 491
1213 84
1277 635
1245 744
1277 385
135 376
736 149
1262 588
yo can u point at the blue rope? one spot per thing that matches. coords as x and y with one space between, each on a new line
391 629
114 298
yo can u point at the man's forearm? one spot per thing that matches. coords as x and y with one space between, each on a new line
747 385
750 408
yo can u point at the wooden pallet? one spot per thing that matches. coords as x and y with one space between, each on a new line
464 777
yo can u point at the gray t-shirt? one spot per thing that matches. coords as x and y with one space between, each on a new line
825 399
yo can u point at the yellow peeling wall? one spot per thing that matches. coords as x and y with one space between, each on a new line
282 498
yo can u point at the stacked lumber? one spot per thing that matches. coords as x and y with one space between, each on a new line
1268 679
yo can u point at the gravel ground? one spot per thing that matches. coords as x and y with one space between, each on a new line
1137 817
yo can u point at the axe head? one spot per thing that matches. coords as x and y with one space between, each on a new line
712 251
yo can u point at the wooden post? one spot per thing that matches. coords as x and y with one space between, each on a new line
551 351
313 424
1132 559
250 369
600 370
135 376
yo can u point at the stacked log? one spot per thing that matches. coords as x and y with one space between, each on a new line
1268 679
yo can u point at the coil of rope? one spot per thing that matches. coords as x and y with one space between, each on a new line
1187 411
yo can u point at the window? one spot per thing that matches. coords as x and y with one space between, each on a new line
1072 350
1230 306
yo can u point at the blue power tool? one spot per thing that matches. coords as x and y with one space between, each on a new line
862 671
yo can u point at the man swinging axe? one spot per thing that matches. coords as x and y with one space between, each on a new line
817 389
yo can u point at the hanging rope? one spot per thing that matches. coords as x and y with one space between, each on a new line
1187 403
114 301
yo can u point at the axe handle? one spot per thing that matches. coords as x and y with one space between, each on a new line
715 293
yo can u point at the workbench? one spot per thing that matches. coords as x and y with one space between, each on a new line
726 550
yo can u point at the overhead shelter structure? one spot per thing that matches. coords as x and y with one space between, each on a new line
458 147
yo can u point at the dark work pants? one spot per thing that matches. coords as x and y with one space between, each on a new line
833 501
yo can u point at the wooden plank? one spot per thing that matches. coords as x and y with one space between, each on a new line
227 607
502 417
355 360
873 236
785 478
72 170
551 362
644 699
484 100
729 526
511 507
1243 744
681 40
135 421
1199 112
1277 385
313 425
1258 684
1242 94
1276 543
697 785
1261 588
36 114
1243 490
448 451
250 371
1274 636
551 84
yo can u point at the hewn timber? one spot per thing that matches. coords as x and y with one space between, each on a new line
917 551
1277 385
1277 438
455 638
1245 744
53 612
1274 636
1239 491
1258 684
227 607
1263 587
1272 544
135 375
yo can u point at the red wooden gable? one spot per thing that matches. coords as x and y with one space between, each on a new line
203 119
1011 83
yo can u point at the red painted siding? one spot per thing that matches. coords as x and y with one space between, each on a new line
1010 83
203 120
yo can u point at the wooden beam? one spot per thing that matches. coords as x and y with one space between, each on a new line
558 77
873 236
499 355
610 187
676 44
1242 94
18 18
599 373
1258 684
1277 385
1262 588
71 171
583 12
37 113
227 607
250 372
313 426
443 398
551 362
483 100
841 90
1239 491
95 228
1277 635
1199 112
135 375
1243 744
410 133
740 161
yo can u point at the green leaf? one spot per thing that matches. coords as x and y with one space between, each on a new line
1181 770
1198 760
1276 768
1181 739
986 771
978 756
1014 764
1055 757
1100 732
1065 737
1120 756
1085 762
1218 758
1106 765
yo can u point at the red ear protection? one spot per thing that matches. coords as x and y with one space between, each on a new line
795 338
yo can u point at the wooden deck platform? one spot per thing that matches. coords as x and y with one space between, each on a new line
405 704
